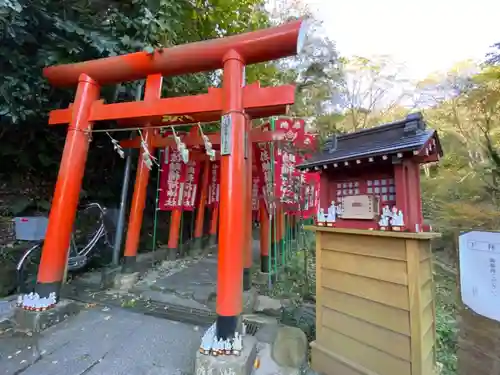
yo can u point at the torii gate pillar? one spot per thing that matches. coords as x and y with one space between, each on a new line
67 192
232 200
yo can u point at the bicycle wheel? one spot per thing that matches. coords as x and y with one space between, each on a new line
87 226
27 268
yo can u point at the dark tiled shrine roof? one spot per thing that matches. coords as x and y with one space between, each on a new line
405 135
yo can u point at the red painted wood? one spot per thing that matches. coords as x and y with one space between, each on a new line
254 47
396 185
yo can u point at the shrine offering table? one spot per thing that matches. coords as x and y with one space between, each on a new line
374 303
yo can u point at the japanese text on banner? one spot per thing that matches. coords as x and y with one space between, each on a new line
172 180
192 171
263 158
213 184
256 187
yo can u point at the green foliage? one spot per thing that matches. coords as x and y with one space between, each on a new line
446 324
38 33
462 192
45 32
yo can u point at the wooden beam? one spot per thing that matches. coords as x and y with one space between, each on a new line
257 102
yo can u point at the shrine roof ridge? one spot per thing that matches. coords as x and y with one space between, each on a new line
416 116
409 134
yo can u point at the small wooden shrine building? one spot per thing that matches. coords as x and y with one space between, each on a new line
380 165
374 287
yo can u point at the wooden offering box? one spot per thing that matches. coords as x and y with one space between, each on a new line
374 303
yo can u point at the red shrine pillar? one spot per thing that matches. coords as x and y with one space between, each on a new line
408 195
247 261
173 234
67 191
214 221
200 215
152 91
232 200
264 236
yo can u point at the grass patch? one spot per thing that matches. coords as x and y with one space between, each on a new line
446 323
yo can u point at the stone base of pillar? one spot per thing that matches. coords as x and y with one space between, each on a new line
171 254
212 241
264 263
125 281
247 279
242 364
129 263
249 300
197 246
36 321
108 276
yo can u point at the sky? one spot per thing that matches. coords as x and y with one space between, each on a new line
427 36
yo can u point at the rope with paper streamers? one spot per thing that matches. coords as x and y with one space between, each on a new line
116 146
208 145
181 147
149 160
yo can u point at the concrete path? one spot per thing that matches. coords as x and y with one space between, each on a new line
103 341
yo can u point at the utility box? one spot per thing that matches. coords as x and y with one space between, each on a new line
30 228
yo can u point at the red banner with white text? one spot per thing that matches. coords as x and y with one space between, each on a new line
213 184
192 171
178 182
171 180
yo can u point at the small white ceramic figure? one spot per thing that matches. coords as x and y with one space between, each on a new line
42 304
340 209
52 299
206 341
384 221
384 217
332 213
228 348
321 216
394 211
237 344
397 219
215 347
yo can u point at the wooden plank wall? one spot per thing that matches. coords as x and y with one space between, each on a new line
369 289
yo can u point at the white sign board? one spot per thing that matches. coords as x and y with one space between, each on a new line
226 125
479 254
361 207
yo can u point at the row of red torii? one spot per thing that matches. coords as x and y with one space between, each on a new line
277 188
237 104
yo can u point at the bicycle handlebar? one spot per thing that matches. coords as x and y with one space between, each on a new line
91 205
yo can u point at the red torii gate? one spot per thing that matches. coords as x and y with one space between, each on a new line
194 139
232 101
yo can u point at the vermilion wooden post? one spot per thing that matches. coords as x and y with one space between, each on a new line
247 261
152 91
67 191
214 224
232 200
173 235
264 236
200 215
